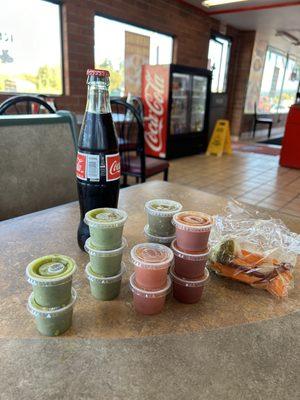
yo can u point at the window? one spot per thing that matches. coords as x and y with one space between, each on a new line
123 49
290 86
30 47
279 83
218 60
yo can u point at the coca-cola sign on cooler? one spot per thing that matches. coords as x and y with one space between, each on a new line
155 86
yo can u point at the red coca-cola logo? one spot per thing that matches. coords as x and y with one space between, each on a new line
81 166
113 167
154 99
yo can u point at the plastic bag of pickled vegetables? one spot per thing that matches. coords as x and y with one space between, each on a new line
251 247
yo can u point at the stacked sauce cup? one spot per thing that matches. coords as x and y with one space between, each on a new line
105 248
189 265
150 282
192 230
189 273
159 228
52 300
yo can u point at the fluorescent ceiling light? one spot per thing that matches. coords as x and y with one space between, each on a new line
211 3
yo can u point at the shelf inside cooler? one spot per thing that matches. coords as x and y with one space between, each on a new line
179 97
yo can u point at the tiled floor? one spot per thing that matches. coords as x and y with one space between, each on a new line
251 178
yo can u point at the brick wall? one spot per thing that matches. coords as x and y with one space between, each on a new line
243 56
190 27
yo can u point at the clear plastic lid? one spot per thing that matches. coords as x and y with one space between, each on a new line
151 255
199 256
101 279
193 221
162 207
50 270
43 312
158 239
93 251
189 282
149 293
105 217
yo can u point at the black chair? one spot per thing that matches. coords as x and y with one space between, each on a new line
261 121
135 101
130 131
138 105
24 104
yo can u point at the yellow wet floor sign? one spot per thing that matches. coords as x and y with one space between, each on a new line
220 141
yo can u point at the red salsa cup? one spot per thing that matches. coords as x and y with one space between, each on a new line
189 265
151 264
186 290
148 302
192 230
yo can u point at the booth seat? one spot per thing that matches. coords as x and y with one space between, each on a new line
37 162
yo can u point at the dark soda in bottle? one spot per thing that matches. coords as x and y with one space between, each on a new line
98 159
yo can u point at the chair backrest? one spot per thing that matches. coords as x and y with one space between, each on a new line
37 163
25 104
130 131
135 101
138 105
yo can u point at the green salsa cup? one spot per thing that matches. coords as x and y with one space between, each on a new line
160 213
105 262
104 288
51 279
106 227
52 321
166 240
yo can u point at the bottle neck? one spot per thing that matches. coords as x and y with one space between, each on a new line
98 99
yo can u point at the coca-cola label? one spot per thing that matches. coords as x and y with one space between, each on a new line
81 166
98 167
88 167
113 167
155 96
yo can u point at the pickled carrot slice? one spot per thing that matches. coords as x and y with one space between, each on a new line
235 274
280 284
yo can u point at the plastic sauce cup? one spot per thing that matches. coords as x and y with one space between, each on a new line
148 302
192 230
52 321
160 213
188 291
151 264
51 279
166 240
105 262
189 265
106 227
104 288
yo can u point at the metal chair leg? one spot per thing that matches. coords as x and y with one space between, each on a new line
254 130
166 173
270 130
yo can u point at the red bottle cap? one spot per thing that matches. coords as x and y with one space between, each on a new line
98 72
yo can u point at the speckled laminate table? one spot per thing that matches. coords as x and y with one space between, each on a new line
238 343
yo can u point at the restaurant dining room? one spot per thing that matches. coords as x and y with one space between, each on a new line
149 199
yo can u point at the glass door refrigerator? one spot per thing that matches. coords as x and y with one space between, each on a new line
176 109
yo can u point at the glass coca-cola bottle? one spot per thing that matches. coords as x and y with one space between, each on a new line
98 160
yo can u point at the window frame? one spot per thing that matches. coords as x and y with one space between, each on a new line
213 36
59 4
287 57
128 22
